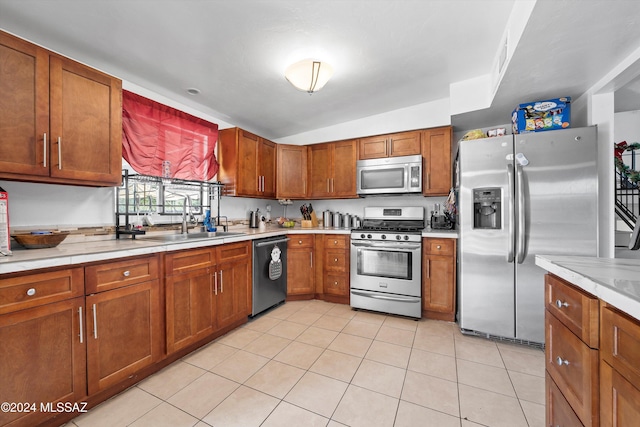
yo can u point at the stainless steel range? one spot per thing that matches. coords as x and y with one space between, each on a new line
386 261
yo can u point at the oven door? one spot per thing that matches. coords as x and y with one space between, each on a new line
390 267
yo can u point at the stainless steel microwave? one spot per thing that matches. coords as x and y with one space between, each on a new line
390 175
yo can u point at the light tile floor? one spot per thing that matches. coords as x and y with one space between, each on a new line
313 363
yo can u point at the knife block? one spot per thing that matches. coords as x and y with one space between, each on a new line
314 219
305 223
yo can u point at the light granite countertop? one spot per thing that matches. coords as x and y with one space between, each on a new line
85 251
613 280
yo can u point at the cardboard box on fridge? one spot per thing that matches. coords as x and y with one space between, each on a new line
539 116
5 238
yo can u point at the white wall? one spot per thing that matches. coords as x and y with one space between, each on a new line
627 127
422 116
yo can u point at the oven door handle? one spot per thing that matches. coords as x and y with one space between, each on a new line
384 297
387 245
271 242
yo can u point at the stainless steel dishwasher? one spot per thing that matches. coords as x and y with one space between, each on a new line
269 273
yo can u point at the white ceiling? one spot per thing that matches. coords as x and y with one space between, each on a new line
386 54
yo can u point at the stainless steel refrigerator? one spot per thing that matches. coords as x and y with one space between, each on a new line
521 195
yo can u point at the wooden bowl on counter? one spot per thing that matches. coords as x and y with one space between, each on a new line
40 240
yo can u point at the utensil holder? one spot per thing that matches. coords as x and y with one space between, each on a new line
305 223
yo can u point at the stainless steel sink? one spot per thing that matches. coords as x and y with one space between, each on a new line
180 237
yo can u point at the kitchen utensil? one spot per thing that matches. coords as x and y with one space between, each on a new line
254 218
327 219
346 221
337 220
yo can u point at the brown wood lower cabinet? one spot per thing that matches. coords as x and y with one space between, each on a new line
42 359
189 308
231 296
335 267
123 333
439 279
300 266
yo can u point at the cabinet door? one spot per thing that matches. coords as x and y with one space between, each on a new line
189 308
300 271
438 286
619 399
320 170
436 150
374 147
86 123
24 107
43 358
123 327
231 288
292 172
267 158
404 144
343 182
247 181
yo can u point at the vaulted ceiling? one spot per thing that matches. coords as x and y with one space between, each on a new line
387 55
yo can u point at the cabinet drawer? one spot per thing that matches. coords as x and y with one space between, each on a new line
233 251
31 290
336 261
577 310
620 345
336 284
117 274
439 246
336 241
574 368
559 412
300 241
189 260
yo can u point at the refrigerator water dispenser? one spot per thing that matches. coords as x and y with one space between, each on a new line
487 212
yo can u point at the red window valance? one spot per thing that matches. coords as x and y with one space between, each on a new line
161 141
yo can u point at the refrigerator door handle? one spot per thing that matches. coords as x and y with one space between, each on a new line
511 217
520 250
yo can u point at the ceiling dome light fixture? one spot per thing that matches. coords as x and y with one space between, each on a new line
309 75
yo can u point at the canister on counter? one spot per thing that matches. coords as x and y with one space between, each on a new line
327 219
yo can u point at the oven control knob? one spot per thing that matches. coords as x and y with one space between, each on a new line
362 236
398 237
368 236
406 237
384 236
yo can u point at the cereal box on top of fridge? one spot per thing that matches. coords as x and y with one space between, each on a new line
539 116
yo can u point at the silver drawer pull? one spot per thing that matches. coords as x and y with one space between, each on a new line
560 361
335 260
299 242
335 242
126 273
31 292
561 304
438 247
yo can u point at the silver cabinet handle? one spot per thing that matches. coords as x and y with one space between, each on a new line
335 260
428 272
31 292
299 242
80 317
521 220
438 247
95 322
311 254
59 153
263 183
560 361
215 283
44 150
221 283
328 186
511 218
561 304
127 273
333 185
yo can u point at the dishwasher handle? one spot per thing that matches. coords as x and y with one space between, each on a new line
270 242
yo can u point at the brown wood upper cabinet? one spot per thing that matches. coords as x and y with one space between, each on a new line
332 170
391 145
247 164
68 116
436 150
292 172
